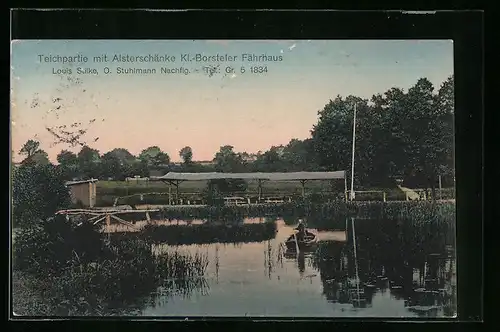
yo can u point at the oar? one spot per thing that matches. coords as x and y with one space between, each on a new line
296 242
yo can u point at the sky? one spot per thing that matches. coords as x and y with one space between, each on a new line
250 111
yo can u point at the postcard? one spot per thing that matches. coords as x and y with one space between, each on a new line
233 178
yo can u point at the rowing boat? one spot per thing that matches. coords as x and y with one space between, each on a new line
309 242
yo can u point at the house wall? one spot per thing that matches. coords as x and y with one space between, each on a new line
80 192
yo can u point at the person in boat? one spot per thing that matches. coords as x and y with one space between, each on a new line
301 231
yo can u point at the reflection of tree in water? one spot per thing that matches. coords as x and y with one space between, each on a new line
420 272
217 263
413 260
211 233
330 260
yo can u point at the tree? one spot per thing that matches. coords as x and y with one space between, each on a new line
271 160
68 163
89 162
29 148
420 133
33 154
40 157
186 153
227 161
139 168
446 111
154 157
67 158
389 111
123 155
126 161
38 191
111 166
332 137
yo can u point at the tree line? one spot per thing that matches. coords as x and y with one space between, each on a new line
400 134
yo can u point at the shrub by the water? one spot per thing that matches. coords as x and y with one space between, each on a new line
38 191
48 246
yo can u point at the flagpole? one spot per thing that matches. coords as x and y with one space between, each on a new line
353 146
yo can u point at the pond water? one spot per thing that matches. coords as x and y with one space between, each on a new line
384 277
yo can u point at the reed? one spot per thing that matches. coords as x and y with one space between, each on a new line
420 211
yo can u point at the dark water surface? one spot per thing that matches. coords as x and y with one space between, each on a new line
397 278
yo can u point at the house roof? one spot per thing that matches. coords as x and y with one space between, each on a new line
291 176
72 183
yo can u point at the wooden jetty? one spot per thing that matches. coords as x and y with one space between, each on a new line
96 216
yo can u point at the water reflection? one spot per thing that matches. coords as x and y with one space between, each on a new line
384 277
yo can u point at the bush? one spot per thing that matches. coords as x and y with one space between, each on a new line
38 191
48 247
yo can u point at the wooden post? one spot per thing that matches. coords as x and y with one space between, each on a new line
345 188
440 188
177 191
259 186
384 197
169 193
108 225
303 183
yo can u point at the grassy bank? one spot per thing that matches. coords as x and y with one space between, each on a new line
28 295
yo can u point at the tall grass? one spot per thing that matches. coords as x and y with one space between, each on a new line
419 211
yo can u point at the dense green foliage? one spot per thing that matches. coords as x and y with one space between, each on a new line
38 191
